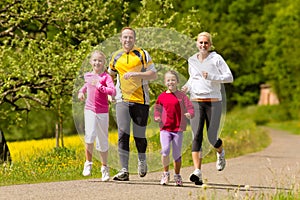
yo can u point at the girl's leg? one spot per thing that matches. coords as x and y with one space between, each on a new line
165 139
89 152
90 120
104 168
88 156
165 161
177 145
177 166
104 156
102 137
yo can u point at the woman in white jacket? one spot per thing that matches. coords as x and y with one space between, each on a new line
207 71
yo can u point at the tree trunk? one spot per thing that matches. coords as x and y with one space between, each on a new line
56 134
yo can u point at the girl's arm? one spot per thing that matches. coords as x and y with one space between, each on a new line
81 92
109 88
189 108
157 111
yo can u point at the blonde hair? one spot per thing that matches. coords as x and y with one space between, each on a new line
100 53
206 34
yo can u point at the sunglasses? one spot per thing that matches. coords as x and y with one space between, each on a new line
203 42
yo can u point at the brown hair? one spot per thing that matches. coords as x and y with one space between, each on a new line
128 28
174 73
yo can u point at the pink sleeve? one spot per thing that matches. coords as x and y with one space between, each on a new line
109 88
83 89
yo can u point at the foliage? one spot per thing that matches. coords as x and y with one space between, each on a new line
282 65
44 44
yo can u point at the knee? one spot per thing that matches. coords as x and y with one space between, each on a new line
218 143
165 151
141 144
178 159
124 137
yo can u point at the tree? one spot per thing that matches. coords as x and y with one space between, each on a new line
282 65
43 44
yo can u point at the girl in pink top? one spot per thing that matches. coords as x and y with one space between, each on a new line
172 110
98 85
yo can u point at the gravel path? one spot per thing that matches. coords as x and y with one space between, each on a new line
263 173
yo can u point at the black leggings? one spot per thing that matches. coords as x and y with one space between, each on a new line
208 113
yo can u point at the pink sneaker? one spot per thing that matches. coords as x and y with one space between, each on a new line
178 180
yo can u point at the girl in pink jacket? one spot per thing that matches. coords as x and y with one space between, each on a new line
98 85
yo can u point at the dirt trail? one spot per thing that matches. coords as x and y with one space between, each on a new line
275 168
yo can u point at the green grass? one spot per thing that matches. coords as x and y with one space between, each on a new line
290 126
240 134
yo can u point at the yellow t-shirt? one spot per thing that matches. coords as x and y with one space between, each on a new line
134 89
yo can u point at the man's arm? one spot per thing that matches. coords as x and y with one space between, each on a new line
147 75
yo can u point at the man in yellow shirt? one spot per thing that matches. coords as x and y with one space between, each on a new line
134 68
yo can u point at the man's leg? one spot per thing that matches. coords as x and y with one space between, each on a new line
123 121
139 114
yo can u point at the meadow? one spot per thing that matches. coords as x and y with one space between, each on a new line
37 161
40 161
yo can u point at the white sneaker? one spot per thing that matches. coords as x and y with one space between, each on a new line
105 173
221 162
142 168
123 175
165 178
87 168
196 177
178 180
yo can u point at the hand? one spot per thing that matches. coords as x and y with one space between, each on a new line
111 99
157 119
80 96
130 74
204 74
184 89
188 115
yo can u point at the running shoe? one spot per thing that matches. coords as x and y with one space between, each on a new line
178 180
123 175
142 168
221 162
196 177
165 178
87 168
105 173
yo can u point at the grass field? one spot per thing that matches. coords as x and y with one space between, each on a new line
37 161
40 161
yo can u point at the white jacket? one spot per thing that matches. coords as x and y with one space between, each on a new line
218 72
